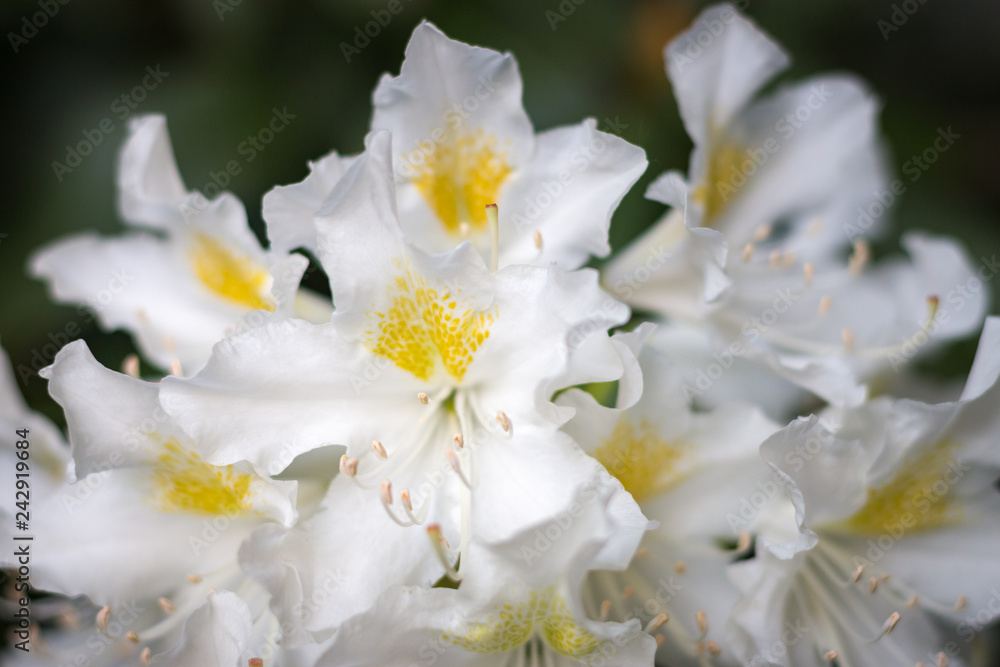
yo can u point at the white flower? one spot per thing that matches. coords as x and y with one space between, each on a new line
186 277
434 373
899 523
700 476
462 140
752 250
519 597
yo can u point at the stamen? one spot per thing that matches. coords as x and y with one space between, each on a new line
255 662
385 490
656 623
701 618
642 552
961 602
659 640
761 233
167 606
830 656
858 571
132 637
504 420
536 236
175 368
605 609
423 398
130 366
457 467
440 548
348 466
912 601
713 648
102 617
860 257
942 660
194 578
847 336
680 566
379 450
492 215
743 541
808 270
418 517
459 440
824 306
146 656
872 584
747 252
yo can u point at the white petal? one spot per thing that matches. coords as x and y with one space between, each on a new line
216 634
149 186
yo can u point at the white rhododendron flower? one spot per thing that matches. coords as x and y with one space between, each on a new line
897 551
752 250
461 140
183 288
519 600
697 474
434 373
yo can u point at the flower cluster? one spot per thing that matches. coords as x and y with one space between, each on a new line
476 453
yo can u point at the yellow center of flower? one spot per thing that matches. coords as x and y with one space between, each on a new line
230 274
918 497
460 177
514 623
425 328
644 463
184 482
723 179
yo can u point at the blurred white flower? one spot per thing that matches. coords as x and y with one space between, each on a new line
899 523
461 140
186 277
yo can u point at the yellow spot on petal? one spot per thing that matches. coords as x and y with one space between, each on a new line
644 463
723 179
184 482
918 498
460 177
426 328
231 274
514 622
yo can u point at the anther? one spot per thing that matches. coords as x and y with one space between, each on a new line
824 306
175 368
379 450
459 440
146 656
440 548
743 541
942 660
913 601
761 233
423 398
102 617
348 466
642 552
858 571
774 258
386 491
830 656
404 498
890 623
605 610
872 584
130 366
860 256
255 662
713 648
680 566
167 606
961 602
536 236
194 578
132 637
504 420
808 270
747 252
656 623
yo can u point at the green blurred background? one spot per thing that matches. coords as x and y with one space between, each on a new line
231 61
